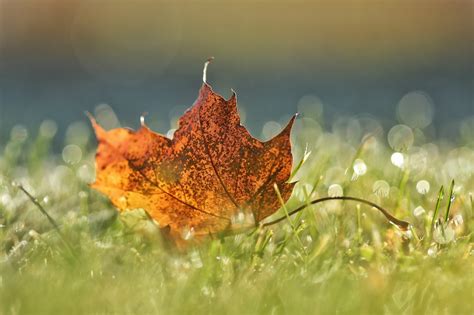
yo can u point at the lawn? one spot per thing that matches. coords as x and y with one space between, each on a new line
337 257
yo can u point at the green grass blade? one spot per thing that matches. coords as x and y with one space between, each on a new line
436 210
450 201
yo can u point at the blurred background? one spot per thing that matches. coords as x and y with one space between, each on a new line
394 62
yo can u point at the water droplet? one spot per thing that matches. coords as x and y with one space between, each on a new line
423 187
400 137
443 235
48 128
360 168
5 199
207 291
85 173
335 190
196 260
458 220
397 159
381 188
72 154
432 251
187 233
19 133
418 211
238 218
242 219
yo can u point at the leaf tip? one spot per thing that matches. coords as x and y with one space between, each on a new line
233 96
91 118
290 123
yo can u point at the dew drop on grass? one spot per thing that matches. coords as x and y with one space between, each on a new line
360 168
400 137
207 291
381 188
397 159
187 233
5 199
19 133
196 261
72 154
418 211
458 220
123 200
48 128
443 235
423 187
432 251
335 190
238 218
85 173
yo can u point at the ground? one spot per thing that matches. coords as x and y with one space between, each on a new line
332 258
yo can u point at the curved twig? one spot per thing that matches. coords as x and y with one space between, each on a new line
400 223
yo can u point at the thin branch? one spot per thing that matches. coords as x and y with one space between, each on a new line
402 224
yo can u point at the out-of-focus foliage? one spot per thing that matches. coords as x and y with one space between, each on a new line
332 258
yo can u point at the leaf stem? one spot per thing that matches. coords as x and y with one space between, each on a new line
204 71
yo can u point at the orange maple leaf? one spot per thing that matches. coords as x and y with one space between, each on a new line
210 173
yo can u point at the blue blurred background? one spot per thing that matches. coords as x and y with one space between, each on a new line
407 62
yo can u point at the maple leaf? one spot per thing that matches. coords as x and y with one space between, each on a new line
211 172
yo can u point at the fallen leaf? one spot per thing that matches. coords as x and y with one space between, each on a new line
209 178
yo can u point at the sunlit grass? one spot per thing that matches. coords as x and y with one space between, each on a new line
338 257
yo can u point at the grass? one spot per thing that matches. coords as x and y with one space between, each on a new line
337 257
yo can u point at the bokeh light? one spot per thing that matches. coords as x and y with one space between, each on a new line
415 109
310 106
400 137
423 187
397 159
72 154
270 129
